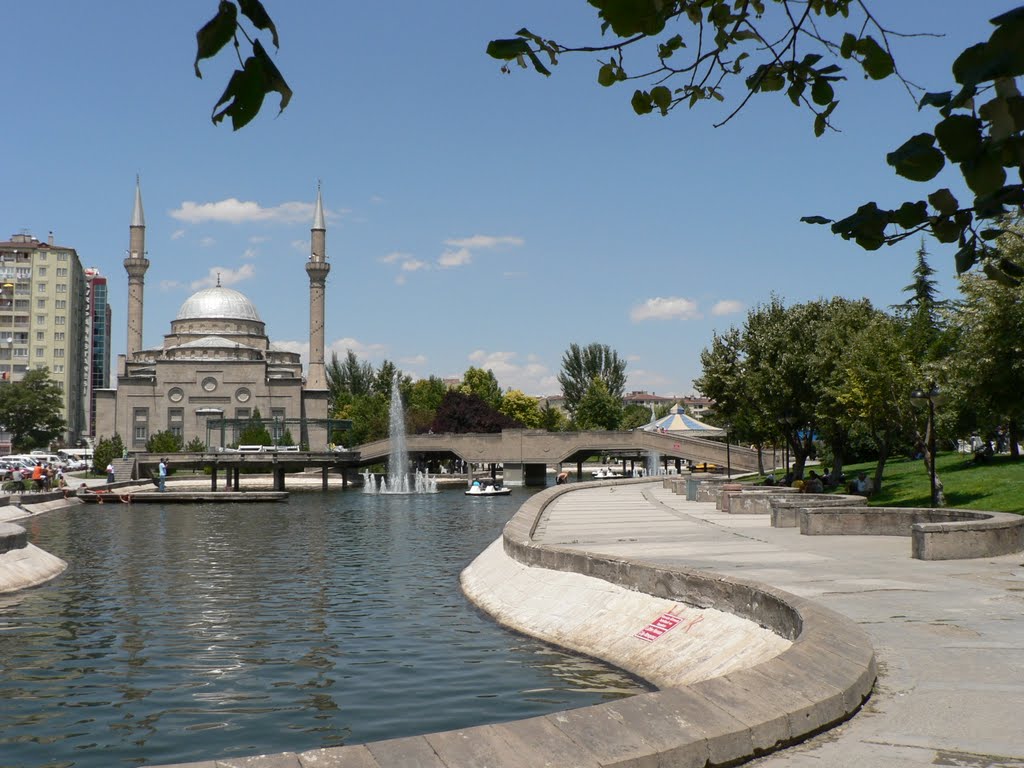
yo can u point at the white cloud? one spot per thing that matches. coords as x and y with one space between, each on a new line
236 211
413 360
249 253
302 246
226 275
484 241
671 308
457 258
727 307
363 350
171 285
207 242
177 234
461 250
392 257
531 376
414 265
257 239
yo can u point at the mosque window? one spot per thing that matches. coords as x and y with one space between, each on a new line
209 384
176 394
243 395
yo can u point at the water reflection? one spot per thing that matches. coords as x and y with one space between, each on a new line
186 634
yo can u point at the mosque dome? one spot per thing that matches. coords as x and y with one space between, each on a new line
218 303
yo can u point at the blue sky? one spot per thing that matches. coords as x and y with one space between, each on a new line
474 218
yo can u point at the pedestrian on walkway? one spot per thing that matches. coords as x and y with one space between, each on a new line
162 475
110 472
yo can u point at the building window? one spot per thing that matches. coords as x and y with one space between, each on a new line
62 287
40 335
62 271
40 351
175 394
42 255
58 336
61 304
58 352
175 420
40 303
277 429
59 320
209 384
40 287
42 271
58 368
62 256
140 418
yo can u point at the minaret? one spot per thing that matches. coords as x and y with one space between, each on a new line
317 269
136 264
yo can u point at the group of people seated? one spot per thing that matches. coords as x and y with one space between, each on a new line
861 485
42 477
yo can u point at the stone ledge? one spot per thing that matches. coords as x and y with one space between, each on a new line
936 534
785 510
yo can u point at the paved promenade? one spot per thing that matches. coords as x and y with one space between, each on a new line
949 635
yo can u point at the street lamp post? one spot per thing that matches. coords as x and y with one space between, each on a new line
728 460
929 398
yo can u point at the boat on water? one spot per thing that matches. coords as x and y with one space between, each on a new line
488 490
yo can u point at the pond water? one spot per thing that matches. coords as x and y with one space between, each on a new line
185 633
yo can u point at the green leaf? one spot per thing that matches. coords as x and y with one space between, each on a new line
216 33
877 62
991 234
641 102
822 92
606 75
910 215
257 14
815 220
507 49
537 64
662 98
1011 268
917 159
965 258
247 88
960 137
866 227
984 174
993 272
935 99
848 46
943 201
945 229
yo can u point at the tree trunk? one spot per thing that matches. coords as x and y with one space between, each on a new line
1014 433
760 460
883 455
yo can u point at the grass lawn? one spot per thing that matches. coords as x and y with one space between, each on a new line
995 486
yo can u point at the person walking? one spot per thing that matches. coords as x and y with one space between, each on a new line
110 472
162 475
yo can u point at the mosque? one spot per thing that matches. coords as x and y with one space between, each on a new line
217 365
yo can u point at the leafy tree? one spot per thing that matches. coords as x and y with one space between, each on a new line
106 450
552 419
369 415
522 408
634 416
599 408
922 311
581 365
258 77
286 437
30 410
988 363
688 52
460 412
348 379
877 376
164 442
195 445
255 432
483 384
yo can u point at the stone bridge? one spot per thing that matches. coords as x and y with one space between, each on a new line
527 453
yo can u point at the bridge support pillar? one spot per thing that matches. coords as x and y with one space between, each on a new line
213 477
525 474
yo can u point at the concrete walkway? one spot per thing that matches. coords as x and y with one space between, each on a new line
949 635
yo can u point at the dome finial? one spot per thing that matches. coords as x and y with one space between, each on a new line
218 279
